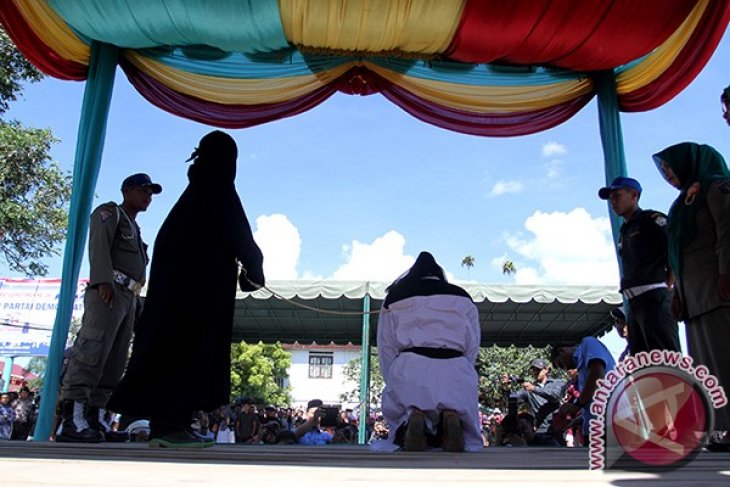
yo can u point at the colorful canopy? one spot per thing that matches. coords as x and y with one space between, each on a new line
484 67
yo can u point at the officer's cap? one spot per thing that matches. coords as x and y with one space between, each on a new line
618 183
142 180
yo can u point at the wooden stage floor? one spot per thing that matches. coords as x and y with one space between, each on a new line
29 464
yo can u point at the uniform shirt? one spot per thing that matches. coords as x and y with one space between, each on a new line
115 243
590 349
643 249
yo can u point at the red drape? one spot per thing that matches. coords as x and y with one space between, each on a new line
575 34
37 52
688 64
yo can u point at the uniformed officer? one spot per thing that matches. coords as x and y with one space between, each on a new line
118 260
646 276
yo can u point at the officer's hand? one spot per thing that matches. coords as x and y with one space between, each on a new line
528 386
676 304
106 293
725 287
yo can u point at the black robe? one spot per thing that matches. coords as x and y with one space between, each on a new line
181 355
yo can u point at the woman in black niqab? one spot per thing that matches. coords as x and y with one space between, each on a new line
181 355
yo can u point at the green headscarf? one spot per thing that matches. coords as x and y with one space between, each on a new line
691 163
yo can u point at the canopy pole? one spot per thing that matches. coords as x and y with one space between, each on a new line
364 373
7 373
89 148
609 120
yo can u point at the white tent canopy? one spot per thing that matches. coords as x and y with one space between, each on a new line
509 314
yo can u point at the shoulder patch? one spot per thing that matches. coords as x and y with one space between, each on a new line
659 219
107 210
725 187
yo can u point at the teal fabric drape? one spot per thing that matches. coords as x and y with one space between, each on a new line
89 148
231 25
611 138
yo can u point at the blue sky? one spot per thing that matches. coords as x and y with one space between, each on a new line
356 188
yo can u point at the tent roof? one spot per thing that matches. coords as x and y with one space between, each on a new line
484 67
509 314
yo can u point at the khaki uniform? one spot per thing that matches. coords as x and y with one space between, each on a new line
99 355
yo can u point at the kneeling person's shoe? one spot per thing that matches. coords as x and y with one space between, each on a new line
74 427
453 437
415 438
180 439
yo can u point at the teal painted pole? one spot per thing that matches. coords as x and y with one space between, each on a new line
614 159
364 372
7 371
89 148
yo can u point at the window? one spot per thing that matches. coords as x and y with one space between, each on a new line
320 365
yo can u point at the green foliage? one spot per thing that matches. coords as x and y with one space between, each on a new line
37 365
351 371
494 361
257 370
14 70
508 267
34 192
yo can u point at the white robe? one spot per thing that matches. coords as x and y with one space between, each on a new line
431 385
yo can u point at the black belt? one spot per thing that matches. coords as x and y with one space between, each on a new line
438 353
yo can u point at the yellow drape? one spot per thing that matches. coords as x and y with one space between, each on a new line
488 99
230 91
53 31
372 26
661 59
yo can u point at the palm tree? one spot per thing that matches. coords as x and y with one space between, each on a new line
468 262
508 267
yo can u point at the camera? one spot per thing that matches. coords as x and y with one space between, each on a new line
329 415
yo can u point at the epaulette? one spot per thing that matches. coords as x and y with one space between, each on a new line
658 217
107 210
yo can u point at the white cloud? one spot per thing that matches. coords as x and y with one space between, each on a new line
505 187
552 149
280 243
565 248
554 169
381 260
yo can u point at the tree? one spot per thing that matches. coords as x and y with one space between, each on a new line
468 262
351 371
494 361
257 370
508 267
34 192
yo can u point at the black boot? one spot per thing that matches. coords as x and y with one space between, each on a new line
95 416
74 427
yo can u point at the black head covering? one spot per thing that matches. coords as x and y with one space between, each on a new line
214 160
424 278
425 266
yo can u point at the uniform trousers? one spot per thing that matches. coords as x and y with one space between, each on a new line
99 355
651 325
